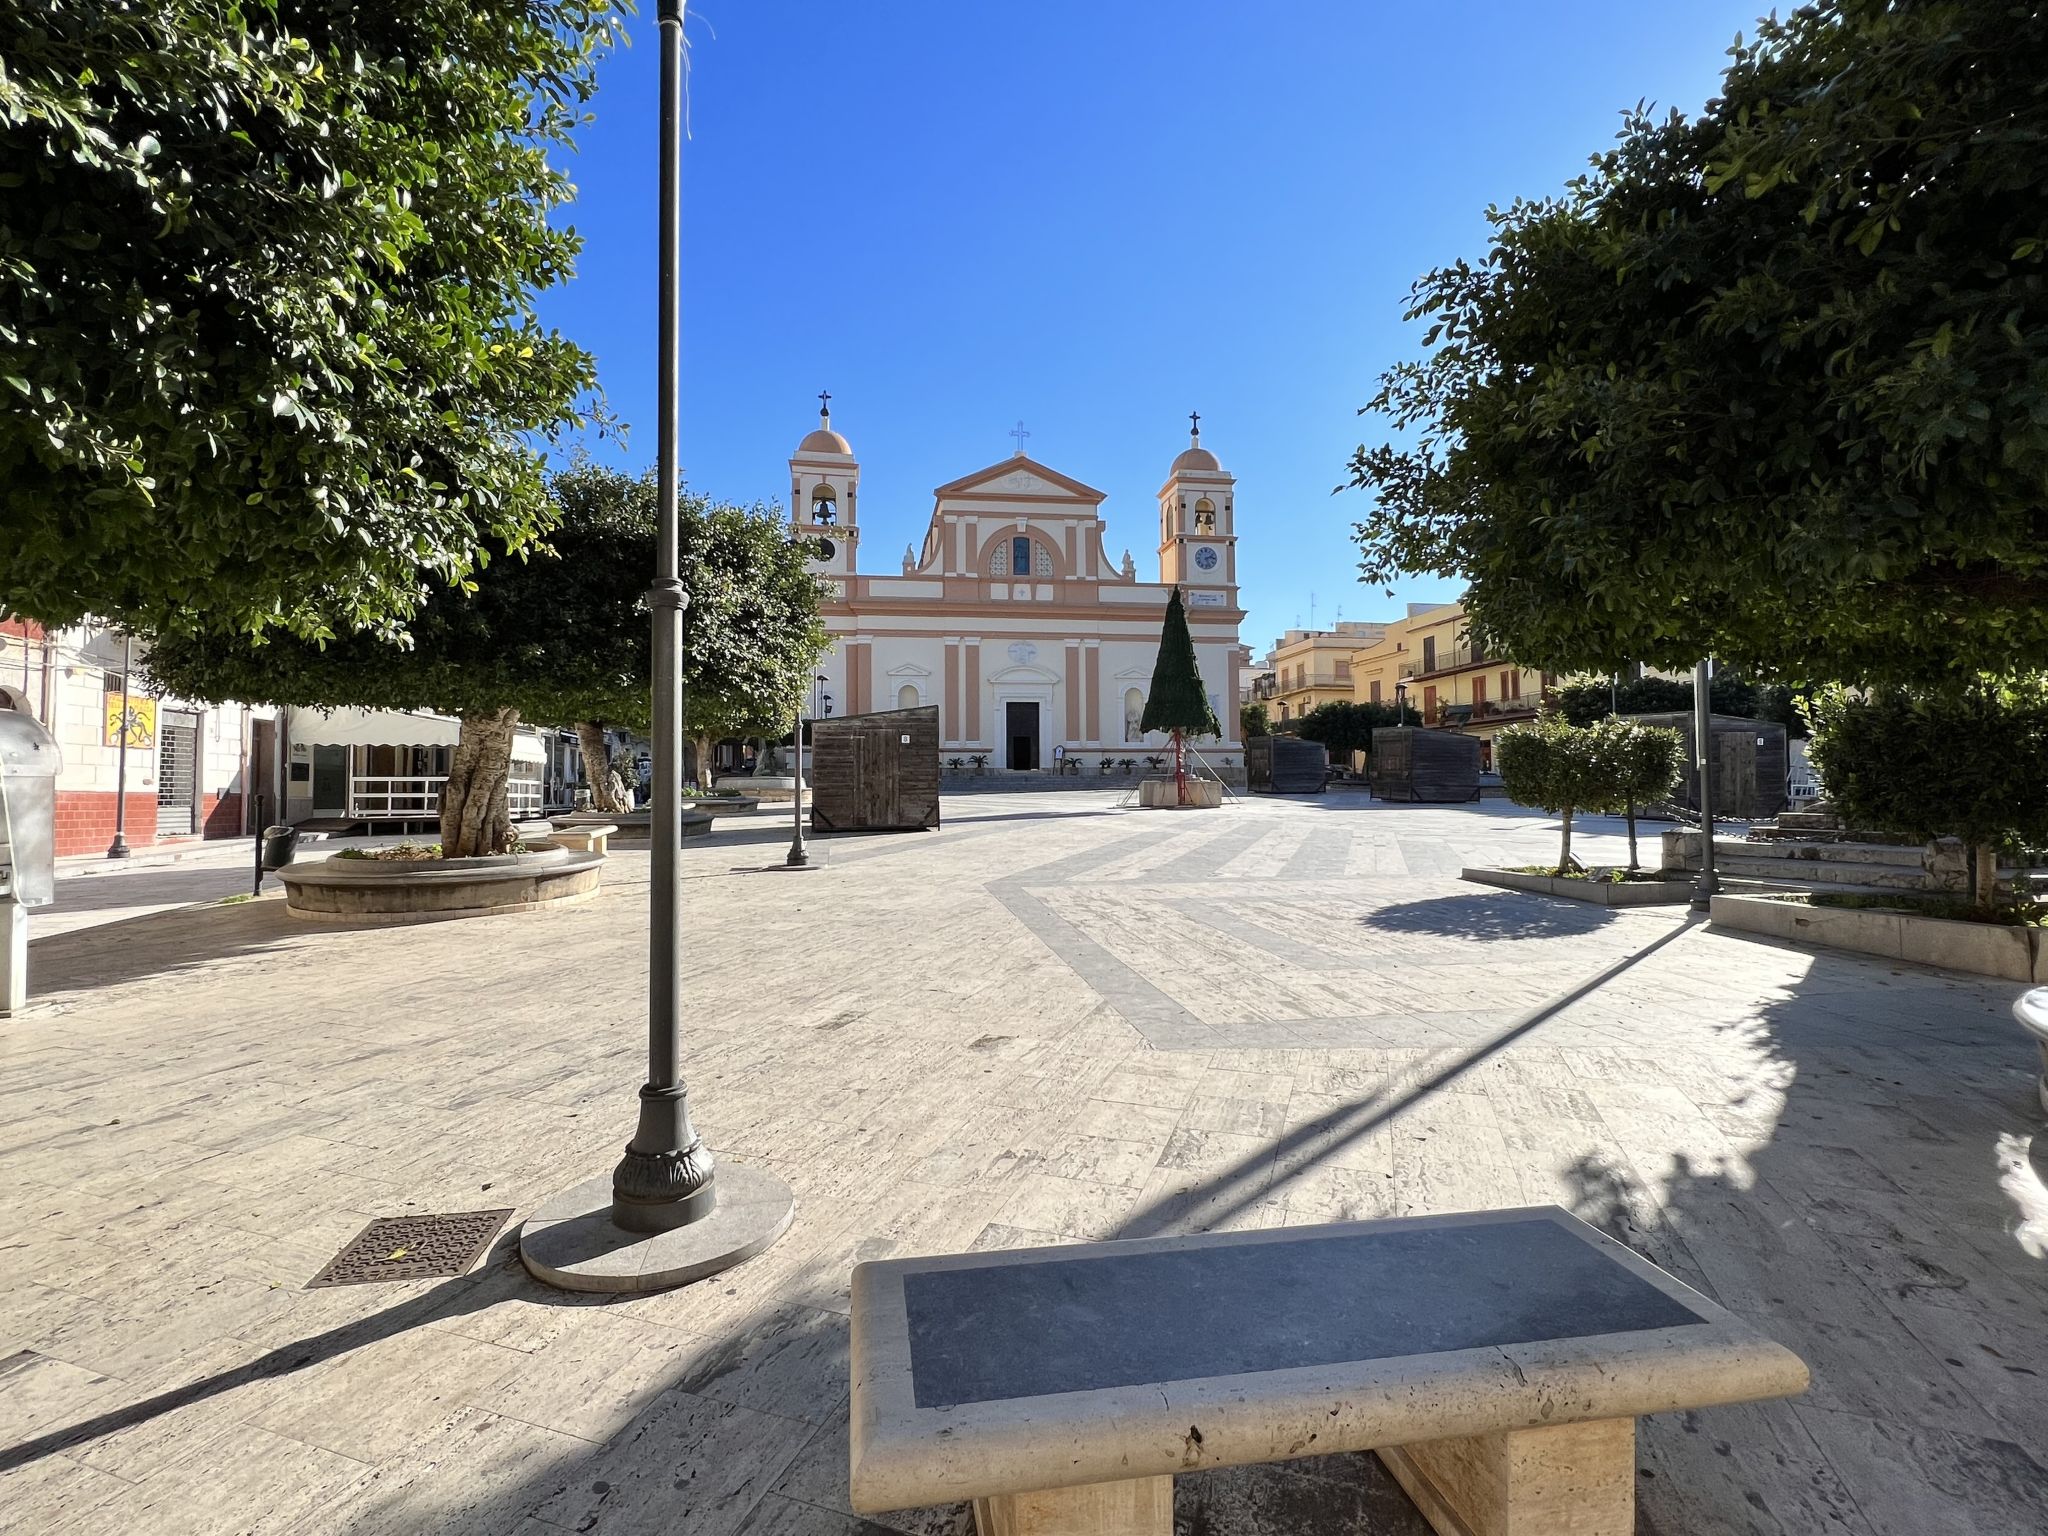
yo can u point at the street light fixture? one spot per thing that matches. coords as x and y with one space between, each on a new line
1703 757
118 848
665 1215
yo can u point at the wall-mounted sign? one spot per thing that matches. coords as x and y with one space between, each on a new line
130 718
1205 599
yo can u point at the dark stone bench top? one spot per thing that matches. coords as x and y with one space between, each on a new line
976 1374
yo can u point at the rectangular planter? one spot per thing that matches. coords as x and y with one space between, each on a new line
1985 949
1606 893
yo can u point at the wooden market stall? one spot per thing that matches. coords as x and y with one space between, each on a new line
1411 762
876 773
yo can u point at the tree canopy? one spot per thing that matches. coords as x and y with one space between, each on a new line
1345 727
1768 384
267 277
1177 700
1952 762
1586 699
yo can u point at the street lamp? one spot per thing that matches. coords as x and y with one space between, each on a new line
118 848
665 1215
1703 757
798 858
1400 703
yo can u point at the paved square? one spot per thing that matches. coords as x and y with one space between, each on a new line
1052 1020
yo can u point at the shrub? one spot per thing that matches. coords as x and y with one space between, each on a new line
1965 762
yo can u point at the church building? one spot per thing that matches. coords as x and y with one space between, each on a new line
1012 618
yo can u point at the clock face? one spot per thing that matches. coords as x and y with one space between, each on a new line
1206 559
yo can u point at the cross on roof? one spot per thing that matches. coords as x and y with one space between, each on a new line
824 402
1194 423
1019 434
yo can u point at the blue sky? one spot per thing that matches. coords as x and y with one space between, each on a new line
1093 217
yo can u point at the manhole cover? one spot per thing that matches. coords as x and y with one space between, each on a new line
413 1248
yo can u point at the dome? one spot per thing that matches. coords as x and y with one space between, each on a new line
825 440
1196 457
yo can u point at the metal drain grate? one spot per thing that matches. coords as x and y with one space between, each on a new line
413 1248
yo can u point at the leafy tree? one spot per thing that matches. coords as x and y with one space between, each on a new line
267 277
1177 701
1926 763
1345 727
1766 384
562 634
1253 720
1587 699
1606 768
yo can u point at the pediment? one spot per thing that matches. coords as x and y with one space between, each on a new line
1024 675
1134 675
908 669
1020 476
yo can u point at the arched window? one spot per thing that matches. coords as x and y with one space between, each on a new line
1020 555
824 507
906 696
1205 516
1134 715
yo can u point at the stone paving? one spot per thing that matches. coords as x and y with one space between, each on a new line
1052 1020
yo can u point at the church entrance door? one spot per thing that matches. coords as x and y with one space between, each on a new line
1020 729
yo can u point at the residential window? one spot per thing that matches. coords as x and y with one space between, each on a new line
1478 692
1375 691
1511 685
1429 653
1429 703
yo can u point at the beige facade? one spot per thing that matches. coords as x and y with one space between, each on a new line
1012 618
1429 659
1313 666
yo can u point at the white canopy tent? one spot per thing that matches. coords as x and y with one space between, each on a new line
395 728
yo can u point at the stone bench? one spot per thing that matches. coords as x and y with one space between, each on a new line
584 838
1496 1361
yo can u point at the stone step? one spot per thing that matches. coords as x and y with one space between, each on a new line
1807 851
1820 872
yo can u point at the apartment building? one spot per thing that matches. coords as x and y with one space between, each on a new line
1313 666
1429 660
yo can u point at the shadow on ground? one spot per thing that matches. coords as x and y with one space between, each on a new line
1487 916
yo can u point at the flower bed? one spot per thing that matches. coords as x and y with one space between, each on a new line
1606 887
382 886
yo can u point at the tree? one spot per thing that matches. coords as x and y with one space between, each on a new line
1606 768
1253 720
1177 701
1587 699
1927 763
1646 761
1346 726
267 326
1766 384
562 634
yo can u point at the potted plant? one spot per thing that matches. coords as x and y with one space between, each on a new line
1155 762
980 761
1127 764
956 763
1107 766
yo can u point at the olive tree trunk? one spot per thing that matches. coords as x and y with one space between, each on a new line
1633 866
475 818
1564 852
705 777
597 768
1180 769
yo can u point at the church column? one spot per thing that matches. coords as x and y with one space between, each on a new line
1091 651
1231 728
860 696
1073 682
971 686
950 730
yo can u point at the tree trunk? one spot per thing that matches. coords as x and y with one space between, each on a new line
1984 875
1180 769
475 818
1633 866
597 768
706 779
1564 852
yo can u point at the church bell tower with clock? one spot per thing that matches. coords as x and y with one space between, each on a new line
1197 537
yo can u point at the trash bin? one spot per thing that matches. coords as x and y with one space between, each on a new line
280 847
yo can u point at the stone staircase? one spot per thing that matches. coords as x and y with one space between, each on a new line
1779 862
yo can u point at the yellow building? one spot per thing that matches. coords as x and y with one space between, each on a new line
1428 660
1313 666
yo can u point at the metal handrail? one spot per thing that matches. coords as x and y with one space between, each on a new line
377 797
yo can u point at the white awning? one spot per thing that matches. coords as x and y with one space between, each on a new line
394 728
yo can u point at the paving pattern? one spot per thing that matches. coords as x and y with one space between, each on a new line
1052 1020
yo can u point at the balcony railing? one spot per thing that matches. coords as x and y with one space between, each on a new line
418 797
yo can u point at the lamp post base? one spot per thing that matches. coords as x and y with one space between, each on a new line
572 1244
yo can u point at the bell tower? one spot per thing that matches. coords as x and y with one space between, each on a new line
824 483
1197 525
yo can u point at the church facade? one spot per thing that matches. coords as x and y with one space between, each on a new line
1012 618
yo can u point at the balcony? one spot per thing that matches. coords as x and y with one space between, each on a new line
417 797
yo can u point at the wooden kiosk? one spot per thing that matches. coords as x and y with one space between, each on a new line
876 773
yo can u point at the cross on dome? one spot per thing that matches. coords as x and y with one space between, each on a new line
1019 434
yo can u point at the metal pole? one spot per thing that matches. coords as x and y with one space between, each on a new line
1703 757
257 888
118 848
798 858
665 1179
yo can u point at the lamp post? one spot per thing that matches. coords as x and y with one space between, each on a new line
798 857
1400 703
1703 756
118 848
665 1216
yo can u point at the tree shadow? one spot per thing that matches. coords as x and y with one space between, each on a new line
1489 916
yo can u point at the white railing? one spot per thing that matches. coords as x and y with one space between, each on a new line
417 796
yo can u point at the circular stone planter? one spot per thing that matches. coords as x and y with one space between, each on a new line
635 826
722 805
338 890
2031 1009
